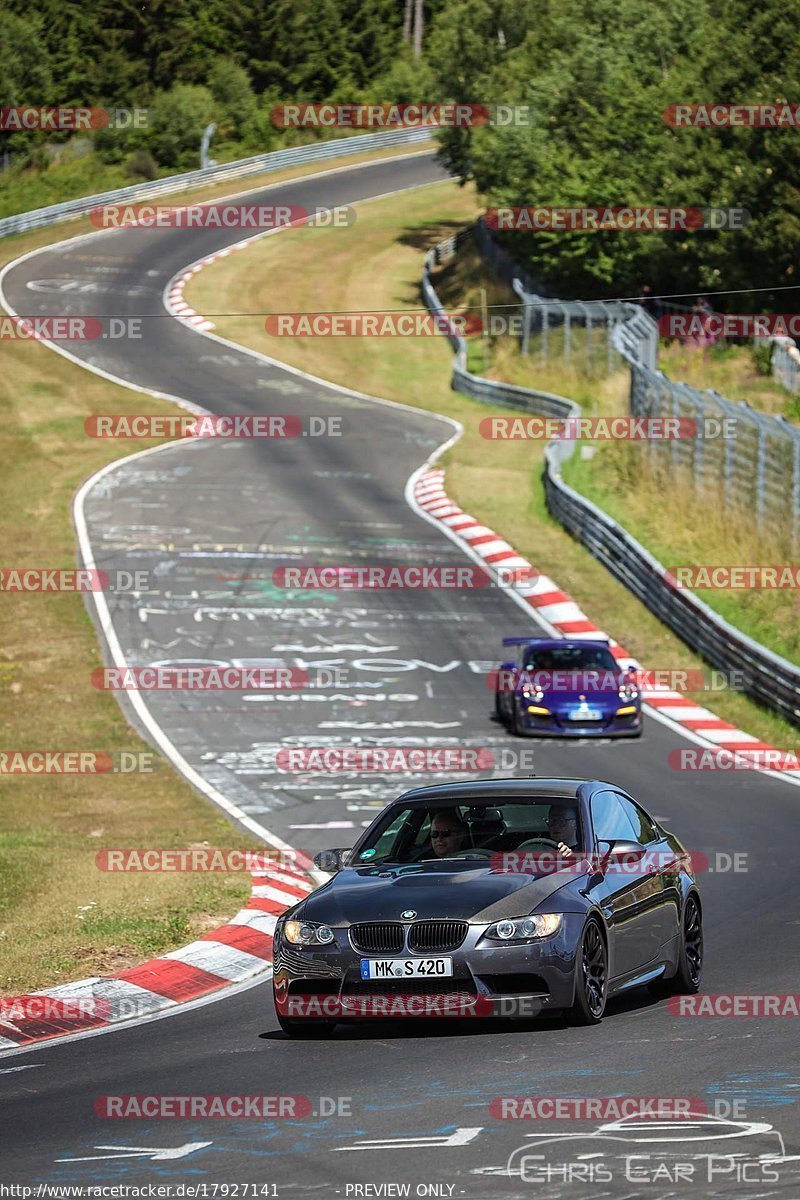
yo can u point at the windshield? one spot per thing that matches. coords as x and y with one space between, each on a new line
571 658
420 831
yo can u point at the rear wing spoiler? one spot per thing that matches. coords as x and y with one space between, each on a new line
540 641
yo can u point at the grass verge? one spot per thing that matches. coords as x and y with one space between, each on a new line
377 264
60 917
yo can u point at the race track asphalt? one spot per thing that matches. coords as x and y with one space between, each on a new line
209 521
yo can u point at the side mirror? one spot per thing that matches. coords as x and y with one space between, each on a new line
623 852
331 860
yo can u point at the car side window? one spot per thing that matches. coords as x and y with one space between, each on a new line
386 842
643 827
611 822
424 832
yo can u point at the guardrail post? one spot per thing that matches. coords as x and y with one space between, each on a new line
567 337
795 485
761 472
675 411
527 312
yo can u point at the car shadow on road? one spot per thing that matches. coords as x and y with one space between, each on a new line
637 1000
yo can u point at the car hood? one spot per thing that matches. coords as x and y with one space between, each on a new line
477 892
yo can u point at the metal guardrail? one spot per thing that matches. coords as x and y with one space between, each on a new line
768 678
240 169
476 386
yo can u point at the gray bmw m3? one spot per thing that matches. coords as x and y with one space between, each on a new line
506 897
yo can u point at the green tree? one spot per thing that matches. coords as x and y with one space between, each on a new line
177 120
230 86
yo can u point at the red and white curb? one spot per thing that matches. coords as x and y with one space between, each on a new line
175 302
234 952
174 299
558 610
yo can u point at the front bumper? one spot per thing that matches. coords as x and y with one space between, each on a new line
509 981
558 723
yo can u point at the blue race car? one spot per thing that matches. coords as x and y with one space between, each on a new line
567 687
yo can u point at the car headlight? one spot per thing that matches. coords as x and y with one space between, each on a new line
304 933
521 929
533 693
628 691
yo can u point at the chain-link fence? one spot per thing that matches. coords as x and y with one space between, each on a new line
749 459
580 333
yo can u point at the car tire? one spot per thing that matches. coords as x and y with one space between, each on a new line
305 1029
517 727
686 980
591 976
499 715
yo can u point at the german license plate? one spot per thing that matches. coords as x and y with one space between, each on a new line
585 714
406 968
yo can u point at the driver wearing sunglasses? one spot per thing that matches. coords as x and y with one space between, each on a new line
448 833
